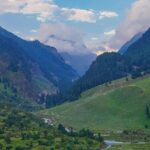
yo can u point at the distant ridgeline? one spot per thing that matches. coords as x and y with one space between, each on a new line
32 68
135 61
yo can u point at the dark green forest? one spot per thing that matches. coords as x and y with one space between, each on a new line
135 62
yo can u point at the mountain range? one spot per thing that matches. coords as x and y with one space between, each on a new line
135 61
112 96
36 70
80 62
32 67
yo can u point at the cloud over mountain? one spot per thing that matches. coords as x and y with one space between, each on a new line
137 20
63 37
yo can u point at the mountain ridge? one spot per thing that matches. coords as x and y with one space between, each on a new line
33 67
80 62
111 66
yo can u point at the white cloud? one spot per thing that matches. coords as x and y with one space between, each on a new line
48 10
33 31
31 38
94 38
97 46
137 20
107 14
66 39
10 6
110 33
43 9
79 15
71 40
103 47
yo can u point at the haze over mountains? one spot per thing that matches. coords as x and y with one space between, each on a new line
80 62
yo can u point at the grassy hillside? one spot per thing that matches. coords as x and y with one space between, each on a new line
118 106
22 131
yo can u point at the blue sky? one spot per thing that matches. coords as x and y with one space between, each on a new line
96 21
24 23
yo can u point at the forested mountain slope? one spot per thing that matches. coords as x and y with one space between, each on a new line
32 67
110 66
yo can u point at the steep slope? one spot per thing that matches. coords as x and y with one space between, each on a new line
107 67
9 94
125 47
32 67
110 66
138 54
23 131
80 62
16 67
51 63
118 106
